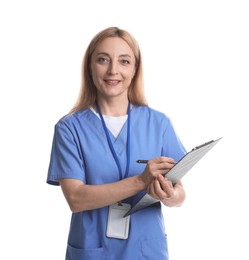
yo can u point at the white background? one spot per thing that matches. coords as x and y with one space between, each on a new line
196 63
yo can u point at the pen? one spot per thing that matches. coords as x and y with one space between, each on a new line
142 161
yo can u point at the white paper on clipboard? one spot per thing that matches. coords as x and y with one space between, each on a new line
177 172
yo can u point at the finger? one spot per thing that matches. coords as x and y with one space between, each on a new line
158 190
166 165
166 186
158 168
163 159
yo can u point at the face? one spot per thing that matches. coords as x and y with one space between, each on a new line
112 68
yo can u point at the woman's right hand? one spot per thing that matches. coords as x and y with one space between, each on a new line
156 166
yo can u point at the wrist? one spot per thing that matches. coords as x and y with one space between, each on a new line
140 183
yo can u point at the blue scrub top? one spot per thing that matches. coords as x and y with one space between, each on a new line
81 151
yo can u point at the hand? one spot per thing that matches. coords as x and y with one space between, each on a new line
156 167
163 190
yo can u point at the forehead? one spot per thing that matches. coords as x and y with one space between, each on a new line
114 46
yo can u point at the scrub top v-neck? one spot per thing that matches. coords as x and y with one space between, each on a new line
81 151
114 154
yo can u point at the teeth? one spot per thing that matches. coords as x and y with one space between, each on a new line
112 82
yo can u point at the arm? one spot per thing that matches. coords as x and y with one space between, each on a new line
82 196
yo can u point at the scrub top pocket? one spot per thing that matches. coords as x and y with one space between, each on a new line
156 248
84 254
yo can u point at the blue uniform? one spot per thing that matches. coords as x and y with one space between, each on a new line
81 151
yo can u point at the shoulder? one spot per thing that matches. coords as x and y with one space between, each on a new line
74 119
150 113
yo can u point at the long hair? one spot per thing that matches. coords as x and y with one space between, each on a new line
88 92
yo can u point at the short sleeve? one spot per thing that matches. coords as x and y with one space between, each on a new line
172 145
65 160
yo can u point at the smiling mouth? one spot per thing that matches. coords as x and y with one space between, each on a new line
112 82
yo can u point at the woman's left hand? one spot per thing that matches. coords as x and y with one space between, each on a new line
163 190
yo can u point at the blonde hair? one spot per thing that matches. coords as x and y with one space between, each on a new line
88 92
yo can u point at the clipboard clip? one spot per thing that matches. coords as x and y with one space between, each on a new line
202 145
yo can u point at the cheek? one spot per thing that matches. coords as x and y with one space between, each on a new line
95 80
98 71
129 75
129 79
95 73
93 76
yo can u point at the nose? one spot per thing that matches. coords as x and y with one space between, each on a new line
113 68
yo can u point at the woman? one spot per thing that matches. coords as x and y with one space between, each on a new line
94 154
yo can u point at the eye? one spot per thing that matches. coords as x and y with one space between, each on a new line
125 62
103 60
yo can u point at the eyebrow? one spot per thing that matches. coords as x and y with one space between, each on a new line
122 55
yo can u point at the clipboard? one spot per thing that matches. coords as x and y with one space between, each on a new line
177 172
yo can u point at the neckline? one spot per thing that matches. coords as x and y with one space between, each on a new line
108 116
111 145
95 111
